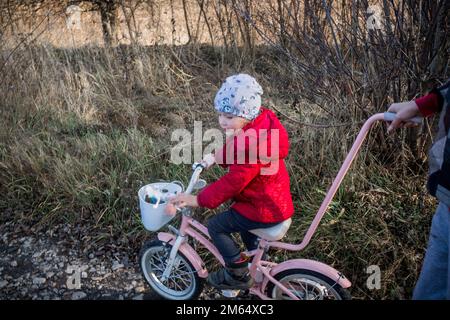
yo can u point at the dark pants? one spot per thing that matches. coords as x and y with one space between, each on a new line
223 224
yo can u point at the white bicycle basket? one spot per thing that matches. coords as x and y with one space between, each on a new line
152 213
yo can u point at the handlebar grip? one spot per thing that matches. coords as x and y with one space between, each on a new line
390 116
197 165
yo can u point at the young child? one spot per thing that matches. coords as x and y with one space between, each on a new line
434 279
261 197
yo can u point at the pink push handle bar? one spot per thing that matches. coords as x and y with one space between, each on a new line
388 117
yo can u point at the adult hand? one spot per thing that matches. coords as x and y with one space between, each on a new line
404 111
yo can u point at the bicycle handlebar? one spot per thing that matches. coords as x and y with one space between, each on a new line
198 168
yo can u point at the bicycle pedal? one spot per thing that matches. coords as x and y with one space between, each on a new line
230 293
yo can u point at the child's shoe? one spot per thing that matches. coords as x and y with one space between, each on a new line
234 276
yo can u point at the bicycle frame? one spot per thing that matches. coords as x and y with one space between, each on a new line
191 227
260 270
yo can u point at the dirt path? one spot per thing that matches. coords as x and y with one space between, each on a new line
63 262
56 264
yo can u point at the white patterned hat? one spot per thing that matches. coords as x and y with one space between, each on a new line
240 95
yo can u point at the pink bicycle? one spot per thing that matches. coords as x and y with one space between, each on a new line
175 271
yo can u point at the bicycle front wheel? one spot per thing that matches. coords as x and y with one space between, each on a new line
183 283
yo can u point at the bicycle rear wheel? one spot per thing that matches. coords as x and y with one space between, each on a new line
306 285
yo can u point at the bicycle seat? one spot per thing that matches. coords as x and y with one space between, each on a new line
274 233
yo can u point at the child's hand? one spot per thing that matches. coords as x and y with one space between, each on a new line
170 209
208 160
404 111
184 200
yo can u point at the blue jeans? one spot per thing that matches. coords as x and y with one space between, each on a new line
223 224
434 279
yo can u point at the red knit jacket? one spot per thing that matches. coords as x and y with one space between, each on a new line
259 194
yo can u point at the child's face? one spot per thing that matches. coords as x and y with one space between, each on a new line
230 122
